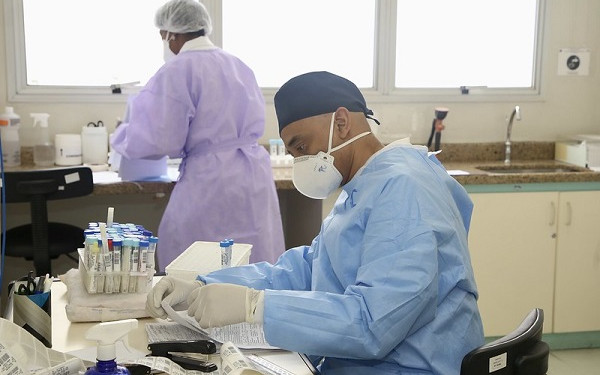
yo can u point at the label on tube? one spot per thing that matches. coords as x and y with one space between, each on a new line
108 262
135 253
117 259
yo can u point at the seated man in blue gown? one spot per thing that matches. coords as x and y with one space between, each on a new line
387 286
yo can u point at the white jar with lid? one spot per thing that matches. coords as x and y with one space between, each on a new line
94 144
68 149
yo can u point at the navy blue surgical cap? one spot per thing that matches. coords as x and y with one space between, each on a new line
316 93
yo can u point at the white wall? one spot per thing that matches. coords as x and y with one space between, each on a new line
567 105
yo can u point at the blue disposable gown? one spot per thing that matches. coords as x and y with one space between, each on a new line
205 106
387 285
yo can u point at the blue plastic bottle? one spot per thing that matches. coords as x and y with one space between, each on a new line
107 334
107 367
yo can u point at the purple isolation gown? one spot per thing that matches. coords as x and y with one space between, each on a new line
205 106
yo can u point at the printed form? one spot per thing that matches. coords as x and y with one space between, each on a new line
243 335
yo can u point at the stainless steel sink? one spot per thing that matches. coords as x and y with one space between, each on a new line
529 169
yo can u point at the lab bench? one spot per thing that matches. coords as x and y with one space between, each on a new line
144 202
68 336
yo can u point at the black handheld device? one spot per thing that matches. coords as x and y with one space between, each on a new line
189 363
162 348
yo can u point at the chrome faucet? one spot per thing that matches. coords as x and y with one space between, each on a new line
516 113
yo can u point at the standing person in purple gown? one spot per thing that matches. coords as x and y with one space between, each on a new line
204 106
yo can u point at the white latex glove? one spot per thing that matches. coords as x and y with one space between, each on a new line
216 305
172 290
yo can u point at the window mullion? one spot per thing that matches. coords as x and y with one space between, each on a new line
215 9
385 56
539 38
15 47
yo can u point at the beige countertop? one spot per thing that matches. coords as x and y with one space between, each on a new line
471 157
281 176
463 161
475 176
478 176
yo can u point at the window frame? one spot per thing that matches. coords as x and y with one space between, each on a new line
475 93
383 91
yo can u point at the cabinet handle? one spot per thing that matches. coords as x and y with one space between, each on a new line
552 213
569 214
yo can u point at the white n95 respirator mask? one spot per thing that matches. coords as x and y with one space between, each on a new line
315 175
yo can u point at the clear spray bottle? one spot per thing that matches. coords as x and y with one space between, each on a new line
43 149
107 334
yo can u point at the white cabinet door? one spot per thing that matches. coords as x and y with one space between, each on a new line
577 294
512 244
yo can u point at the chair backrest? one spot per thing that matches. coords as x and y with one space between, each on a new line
521 352
59 183
37 187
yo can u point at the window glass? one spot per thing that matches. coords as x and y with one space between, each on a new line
91 43
281 39
443 43
439 43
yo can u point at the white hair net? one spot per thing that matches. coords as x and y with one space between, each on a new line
183 16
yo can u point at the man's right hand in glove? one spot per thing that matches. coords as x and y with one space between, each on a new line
172 290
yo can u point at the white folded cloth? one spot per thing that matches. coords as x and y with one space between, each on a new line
84 307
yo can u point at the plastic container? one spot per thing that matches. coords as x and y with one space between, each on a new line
143 169
43 148
204 257
152 243
582 150
10 118
68 149
225 254
94 145
11 145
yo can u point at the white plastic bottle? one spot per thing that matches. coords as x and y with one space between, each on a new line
43 149
94 145
10 123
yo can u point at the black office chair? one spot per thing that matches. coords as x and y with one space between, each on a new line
41 240
521 352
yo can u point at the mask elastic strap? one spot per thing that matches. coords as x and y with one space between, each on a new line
329 149
330 133
349 141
